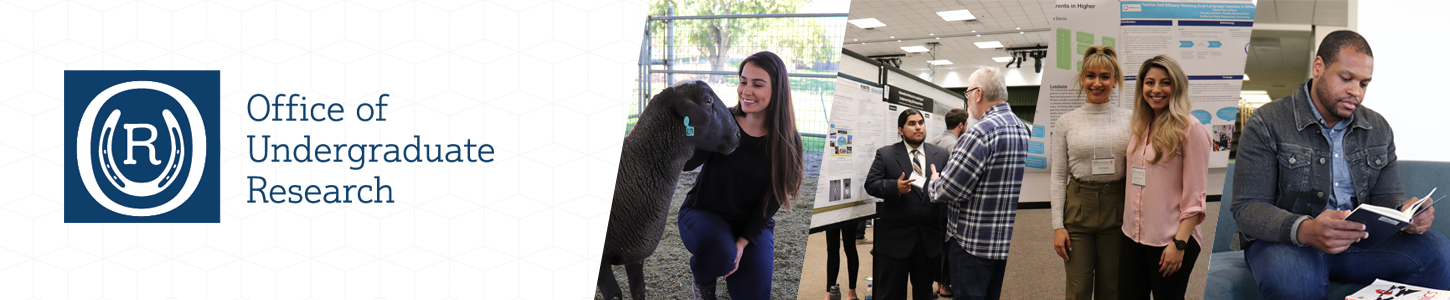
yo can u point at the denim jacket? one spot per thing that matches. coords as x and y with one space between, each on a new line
1284 174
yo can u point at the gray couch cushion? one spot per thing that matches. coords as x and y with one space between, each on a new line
1224 234
1229 277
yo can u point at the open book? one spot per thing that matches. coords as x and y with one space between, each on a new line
1389 290
1382 222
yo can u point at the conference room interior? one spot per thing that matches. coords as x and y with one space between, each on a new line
950 50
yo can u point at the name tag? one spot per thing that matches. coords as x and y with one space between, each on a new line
920 182
1104 166
1140 177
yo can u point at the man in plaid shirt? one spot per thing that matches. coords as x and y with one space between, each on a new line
980 184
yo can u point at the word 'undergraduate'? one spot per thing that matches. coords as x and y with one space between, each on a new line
260 148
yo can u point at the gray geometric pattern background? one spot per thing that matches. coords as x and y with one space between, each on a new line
544 82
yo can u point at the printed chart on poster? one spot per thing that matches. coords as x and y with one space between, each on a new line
1077 25
1201 36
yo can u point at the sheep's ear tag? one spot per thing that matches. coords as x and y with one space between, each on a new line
689 130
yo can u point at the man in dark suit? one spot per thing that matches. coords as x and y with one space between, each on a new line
910 228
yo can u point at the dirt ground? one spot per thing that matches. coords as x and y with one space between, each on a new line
667 272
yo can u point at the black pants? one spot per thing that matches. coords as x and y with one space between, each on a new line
945 275
861 229
893 273
834 237
974 278
1138 274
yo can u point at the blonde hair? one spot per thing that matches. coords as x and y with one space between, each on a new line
1167 129
1097 56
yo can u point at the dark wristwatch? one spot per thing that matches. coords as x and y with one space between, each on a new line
1180 244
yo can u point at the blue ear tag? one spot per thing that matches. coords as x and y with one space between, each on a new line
689 130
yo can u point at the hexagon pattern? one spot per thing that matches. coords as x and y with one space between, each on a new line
544 82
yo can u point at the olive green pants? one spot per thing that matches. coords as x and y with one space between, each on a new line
1093 217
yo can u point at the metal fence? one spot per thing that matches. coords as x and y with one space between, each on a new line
711 47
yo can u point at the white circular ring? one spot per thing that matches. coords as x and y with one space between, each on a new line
198 140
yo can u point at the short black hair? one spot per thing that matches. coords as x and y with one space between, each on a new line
1342 39
901 120
956 116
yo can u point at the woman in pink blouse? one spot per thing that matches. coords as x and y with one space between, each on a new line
1168 178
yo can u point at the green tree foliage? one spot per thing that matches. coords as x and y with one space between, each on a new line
800 41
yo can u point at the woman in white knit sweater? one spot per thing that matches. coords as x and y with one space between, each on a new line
1089 146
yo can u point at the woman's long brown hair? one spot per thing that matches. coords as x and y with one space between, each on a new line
783 143
1164 131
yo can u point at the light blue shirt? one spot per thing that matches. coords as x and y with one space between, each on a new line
1343 183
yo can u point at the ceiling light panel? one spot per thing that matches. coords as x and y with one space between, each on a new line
867 23
989 44
914 49
956 15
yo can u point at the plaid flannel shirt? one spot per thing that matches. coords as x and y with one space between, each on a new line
982 181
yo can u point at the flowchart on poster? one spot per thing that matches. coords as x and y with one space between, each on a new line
1200 35
1076 26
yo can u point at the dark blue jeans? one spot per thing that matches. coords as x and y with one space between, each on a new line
973 277
1288 272
709 238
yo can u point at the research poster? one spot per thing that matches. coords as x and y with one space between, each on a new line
863 119
1201 36
859 125
1076 25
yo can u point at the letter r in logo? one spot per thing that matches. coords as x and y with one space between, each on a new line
132 143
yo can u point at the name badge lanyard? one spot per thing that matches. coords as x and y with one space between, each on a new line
1104 164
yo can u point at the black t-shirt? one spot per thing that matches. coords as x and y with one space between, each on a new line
734 186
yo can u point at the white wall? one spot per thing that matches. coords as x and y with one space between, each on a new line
1407 74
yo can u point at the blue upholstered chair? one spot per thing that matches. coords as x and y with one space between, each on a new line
1228 275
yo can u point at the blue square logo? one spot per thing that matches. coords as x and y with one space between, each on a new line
142 147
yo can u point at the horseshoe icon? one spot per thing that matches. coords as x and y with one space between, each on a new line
85 140
146 188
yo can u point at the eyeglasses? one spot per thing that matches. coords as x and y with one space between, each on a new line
969 91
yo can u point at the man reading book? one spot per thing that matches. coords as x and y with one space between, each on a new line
1304 162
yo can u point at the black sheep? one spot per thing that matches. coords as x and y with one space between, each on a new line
678 121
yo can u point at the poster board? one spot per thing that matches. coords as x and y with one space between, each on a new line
856 130
862 121
1076 25
1202 35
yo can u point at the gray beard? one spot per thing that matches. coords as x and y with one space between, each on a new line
971 117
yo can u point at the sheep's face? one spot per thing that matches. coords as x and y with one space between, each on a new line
714 128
